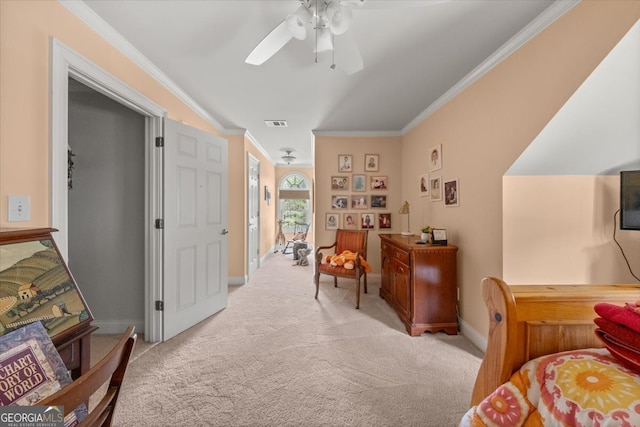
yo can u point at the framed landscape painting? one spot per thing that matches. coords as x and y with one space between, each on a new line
36 286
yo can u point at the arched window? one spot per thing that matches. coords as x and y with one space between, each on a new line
294 198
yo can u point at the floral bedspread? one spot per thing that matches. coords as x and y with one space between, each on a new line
573 388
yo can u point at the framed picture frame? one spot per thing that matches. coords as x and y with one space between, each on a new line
435 158
367 221
435 188
424 185
439 236
340 183
339 202
332 221
350 221
384 221
345 162
267 195
378 201
451 193
379 182
371 162
359 201
359 182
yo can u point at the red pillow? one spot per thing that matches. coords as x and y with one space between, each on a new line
619 315
619 334
629 358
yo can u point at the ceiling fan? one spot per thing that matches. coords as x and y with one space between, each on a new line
322 19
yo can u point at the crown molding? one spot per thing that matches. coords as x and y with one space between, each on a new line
369 134
100 26
542 21
259 146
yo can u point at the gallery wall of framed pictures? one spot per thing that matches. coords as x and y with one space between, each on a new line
359 200
433 186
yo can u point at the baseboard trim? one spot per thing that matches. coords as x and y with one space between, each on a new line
472 335
116 327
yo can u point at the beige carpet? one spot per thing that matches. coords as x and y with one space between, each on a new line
278 357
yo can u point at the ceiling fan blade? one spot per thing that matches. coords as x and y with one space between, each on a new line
347 53
270 44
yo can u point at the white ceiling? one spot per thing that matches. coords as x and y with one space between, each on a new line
414 53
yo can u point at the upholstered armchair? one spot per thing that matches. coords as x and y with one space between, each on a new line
354 241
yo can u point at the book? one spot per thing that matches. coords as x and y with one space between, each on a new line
31 369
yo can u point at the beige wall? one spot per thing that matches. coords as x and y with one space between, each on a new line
327 149
560 231
25 29
486 127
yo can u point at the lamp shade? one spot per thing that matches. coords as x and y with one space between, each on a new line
340 20
324 42
404 209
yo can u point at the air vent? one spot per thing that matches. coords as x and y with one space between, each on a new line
276 123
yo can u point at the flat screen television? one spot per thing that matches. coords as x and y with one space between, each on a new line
630 200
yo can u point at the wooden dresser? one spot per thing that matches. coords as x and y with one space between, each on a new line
420 283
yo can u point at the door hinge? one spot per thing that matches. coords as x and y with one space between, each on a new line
159 141
159 223
159 306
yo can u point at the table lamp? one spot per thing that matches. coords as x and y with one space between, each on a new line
404 210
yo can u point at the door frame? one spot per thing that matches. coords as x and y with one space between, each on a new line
252 159
66 63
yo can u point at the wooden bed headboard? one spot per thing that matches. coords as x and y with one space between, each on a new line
527 321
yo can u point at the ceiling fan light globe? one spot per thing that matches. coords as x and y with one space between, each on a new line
298 21
341 20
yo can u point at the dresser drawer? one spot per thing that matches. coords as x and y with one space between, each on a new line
399 255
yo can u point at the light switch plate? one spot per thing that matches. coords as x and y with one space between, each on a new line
19 208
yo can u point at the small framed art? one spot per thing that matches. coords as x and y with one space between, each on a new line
345 162
439 236
451 195
350 221
371 162
379 182
435 188
378 201
332 221
424 185
340 183
384 221
359 182
435 158
359 202
339 202
367 222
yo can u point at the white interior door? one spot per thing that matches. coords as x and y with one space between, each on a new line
195 221
253 214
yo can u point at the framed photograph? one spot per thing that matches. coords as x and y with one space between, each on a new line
339 202
340 183
332 221
379 182
359 201
439 236
367 222
424 185
345 162
451 194
435 188
371 162
378 201
384 221
350 221
435 158
359 182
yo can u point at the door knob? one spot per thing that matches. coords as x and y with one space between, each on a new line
225 231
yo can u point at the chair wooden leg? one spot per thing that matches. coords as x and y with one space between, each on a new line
335 282
316 279
365 283
358 293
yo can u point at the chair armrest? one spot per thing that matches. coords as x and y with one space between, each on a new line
318 256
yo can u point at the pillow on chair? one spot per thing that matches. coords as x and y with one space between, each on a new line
299 236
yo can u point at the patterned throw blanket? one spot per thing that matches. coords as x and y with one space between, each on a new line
592 387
